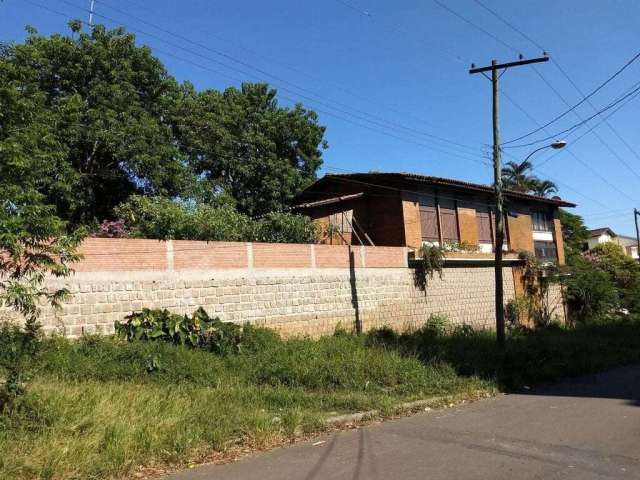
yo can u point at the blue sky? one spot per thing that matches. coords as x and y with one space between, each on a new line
390 79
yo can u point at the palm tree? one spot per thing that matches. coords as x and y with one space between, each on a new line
542 188
515 176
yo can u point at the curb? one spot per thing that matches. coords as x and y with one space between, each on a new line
426 404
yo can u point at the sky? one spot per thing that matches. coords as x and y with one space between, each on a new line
390 80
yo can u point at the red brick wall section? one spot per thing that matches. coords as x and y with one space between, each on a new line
122 255
194 255
130 255
337 256
281 255
385 257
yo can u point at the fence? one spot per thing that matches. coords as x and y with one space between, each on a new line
295 289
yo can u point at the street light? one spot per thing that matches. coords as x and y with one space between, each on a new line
557 145
560 144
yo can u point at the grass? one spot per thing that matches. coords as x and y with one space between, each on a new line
99 408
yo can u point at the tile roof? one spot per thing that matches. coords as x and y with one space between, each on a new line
380 178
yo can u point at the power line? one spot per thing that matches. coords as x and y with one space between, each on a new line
573 84
611 127
299 71
581 123
368 127
379 121
525 36
586 97
476 26
397 29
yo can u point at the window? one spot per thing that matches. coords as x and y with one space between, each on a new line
429 219
541 221
545 251
342 221
449 221
485 228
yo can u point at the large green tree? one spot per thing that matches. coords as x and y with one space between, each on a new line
575 234
243 144
108 102
122 125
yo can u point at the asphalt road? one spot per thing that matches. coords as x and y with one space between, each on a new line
587 428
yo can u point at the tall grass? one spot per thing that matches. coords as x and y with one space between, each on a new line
100 408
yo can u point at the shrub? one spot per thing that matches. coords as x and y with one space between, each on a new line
430 261
164 219
590 293
198 331
278 227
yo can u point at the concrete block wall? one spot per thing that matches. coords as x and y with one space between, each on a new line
295 289
294 302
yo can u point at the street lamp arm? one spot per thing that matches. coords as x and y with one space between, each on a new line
534 152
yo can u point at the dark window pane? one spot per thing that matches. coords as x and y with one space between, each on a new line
541 221
546 251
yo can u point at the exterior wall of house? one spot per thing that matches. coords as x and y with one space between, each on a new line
468 224
395 220
411 221
558 239
520 231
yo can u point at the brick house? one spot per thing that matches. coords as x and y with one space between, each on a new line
405 209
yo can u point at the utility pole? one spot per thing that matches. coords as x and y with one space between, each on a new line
92 10
636 214
497 177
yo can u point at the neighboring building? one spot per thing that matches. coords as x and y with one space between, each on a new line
404 209
603 235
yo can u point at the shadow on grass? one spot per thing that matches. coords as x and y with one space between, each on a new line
534 357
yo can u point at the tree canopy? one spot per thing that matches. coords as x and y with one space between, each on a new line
109 122
518 177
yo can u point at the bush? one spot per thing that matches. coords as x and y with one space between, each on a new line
278 227
164 219
198 331
590 293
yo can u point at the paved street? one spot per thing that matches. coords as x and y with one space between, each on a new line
587 428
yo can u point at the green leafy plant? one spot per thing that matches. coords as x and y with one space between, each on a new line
198 330
590 293
538 278
430 261
34 245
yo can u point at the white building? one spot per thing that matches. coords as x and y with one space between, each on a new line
603 235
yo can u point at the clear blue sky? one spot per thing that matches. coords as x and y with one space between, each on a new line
400 68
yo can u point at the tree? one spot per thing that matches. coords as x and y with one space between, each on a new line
518 177
33 239
240 142
575 234
515 176
108 101
542 188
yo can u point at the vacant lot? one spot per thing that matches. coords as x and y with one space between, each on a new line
101 408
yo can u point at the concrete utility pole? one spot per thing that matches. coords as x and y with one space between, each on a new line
497 177
636 214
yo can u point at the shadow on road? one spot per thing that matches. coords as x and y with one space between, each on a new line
622 383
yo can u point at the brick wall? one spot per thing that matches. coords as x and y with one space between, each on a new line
295 289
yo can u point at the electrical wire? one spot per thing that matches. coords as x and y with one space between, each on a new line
584 99
406 140
361 114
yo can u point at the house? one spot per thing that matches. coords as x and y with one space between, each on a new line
603 235
405 209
